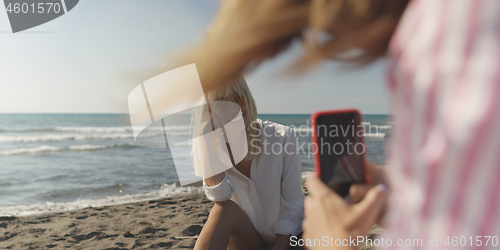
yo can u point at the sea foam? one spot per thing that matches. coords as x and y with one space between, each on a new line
167 190
49 149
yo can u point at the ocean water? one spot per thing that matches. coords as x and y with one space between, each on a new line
59 162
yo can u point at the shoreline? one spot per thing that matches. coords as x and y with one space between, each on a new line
165 223
171 190
172 222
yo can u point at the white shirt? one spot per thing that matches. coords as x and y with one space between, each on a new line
272 197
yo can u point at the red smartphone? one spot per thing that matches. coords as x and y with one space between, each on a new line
339 148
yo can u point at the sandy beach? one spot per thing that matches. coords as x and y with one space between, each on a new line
79 181
168 223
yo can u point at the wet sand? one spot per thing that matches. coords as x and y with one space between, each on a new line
168 223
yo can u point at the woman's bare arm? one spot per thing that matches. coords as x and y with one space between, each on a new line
214 180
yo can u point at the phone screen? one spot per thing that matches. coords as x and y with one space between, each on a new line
340 150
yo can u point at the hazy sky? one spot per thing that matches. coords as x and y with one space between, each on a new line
88 60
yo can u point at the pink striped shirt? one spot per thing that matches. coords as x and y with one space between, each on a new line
445 150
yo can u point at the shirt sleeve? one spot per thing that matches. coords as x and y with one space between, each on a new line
220 192
292 197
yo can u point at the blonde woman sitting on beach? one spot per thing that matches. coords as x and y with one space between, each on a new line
259 201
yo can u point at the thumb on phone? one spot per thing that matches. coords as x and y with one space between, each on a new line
370 207
358 191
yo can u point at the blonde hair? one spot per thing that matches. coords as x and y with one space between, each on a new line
253 132
244 33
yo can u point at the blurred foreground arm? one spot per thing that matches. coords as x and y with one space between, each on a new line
245 33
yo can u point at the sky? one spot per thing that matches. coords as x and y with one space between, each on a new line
88 61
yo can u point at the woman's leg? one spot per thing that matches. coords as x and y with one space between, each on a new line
228 227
